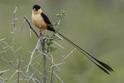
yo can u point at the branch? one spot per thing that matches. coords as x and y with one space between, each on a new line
38 45
18 68
26 19
44 50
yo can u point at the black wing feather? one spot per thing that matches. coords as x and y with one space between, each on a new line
46 19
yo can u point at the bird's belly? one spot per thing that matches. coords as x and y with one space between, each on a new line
38 22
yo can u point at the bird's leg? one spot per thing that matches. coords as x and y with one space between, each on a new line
41 36
40 33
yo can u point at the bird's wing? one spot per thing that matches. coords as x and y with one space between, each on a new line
46 19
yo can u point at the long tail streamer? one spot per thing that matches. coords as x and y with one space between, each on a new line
103 66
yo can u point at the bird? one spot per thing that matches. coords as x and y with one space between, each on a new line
41 21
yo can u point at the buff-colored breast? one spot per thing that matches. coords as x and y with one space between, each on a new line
38 21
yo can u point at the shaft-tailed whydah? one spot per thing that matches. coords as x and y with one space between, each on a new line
41 21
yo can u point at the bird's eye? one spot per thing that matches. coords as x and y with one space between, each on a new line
36 9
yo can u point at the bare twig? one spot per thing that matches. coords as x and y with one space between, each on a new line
30 26
66 56
58 44
58 77
51 74
44 62
14 20
10 77
30 61
2 39
18 68
2 72
38 45
61 14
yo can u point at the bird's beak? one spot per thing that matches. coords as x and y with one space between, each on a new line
34 10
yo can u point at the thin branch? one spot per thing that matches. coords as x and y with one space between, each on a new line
10 77
14 19
30 61
49 58
2 72
18 68
30 79
2 39
58 77
58 44
66 56
3 79
51 74
44 62
52 69
38 45
26 19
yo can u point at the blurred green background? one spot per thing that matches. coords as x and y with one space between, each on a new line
95 25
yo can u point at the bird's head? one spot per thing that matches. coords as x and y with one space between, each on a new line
36 9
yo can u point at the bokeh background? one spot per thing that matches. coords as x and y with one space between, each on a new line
95 25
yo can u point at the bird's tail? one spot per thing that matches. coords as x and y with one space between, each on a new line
103 66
